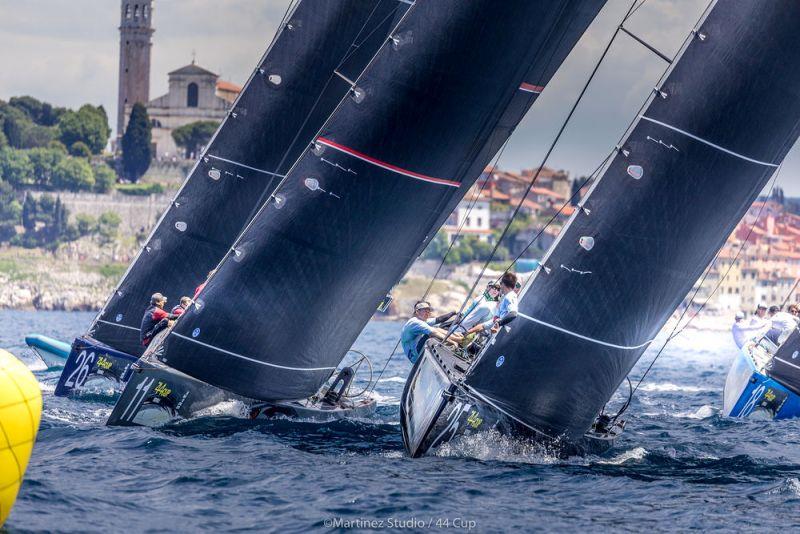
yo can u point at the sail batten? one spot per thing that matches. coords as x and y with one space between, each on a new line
384 171
690 166
290 93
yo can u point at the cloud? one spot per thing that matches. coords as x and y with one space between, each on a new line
66 53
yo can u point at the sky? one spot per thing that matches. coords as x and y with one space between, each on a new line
66 53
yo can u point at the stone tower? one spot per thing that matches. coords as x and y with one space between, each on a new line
135 42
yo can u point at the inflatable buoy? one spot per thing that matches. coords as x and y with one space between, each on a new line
20 411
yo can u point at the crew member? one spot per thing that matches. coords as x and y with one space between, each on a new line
780 323
507 310
155 319
420 327
744 331
481 310
203 285
182 307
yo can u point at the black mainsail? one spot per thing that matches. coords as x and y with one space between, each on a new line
417 129
706 144
296 85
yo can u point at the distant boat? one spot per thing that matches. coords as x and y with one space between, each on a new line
53 352
705 145
297 83
764 380
418 128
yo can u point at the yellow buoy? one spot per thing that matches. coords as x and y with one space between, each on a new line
20 411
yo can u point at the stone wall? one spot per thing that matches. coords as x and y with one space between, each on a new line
137 213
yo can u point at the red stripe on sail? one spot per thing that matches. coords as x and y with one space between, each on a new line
530 88
384 165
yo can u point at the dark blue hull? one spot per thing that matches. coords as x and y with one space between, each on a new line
90 360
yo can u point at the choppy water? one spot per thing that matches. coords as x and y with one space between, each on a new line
679 465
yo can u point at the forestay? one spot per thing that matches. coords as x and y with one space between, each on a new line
294 88
417 129
704 147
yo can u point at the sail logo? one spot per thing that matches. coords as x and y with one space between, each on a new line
119 317
500 361
162 390
635 171
195 332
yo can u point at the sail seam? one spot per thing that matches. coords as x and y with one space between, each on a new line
119 325
709 143
388 166
253 359
243 165
581 336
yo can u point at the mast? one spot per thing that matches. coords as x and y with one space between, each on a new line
710 138
295 86
416 130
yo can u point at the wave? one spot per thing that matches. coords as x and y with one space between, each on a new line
670 387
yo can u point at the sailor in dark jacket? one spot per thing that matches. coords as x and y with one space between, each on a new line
155 318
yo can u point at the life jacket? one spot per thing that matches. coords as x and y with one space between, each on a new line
177 310
152 316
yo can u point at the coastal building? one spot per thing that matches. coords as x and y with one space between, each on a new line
135 45
195 93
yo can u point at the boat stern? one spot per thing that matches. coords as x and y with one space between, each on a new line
750 393
91 360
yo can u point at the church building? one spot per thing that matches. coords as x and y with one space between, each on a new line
195 93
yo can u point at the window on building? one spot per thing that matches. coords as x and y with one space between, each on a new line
469 222
480 221
128 11
145 10
191 95
136 11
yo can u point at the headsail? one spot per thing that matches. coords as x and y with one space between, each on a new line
295 87
700 153
419 126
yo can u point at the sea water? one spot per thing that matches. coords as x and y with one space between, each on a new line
680 464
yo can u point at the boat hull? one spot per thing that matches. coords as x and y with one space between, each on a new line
435 408
53 352
90 360
750 393
156 395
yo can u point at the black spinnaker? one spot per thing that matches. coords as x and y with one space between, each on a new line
705 146
420 124
785 365
296 85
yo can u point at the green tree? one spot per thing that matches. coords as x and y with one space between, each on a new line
194 135
136 149
73 174
437 247
86 224
15 167
44 161
108 226
79 149
39 112
104 178
89 125
10 212
29 213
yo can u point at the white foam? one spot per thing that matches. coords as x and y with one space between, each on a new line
492 445
384 400
397 379
703 412
635 454
669 387
231 408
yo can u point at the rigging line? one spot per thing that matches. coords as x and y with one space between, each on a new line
163 217
675 332
645 44
546 157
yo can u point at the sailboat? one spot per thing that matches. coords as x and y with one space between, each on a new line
764 380
296 84
705 144
304 278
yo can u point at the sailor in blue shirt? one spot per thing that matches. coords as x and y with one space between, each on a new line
420 327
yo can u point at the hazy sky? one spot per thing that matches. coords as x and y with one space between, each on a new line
66 51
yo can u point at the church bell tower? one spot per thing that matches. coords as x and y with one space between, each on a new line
135 43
